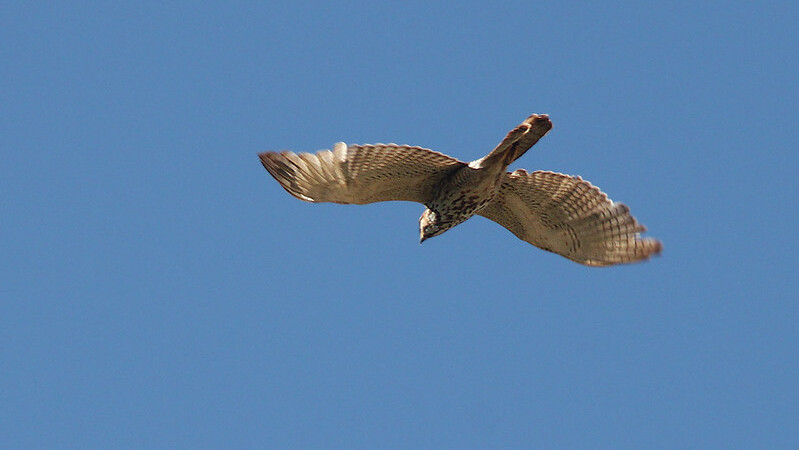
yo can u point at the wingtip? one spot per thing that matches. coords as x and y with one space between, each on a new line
657 247
265 158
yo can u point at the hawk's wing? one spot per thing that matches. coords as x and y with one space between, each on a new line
570 217
361 173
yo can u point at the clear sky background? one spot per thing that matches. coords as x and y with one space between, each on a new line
158 289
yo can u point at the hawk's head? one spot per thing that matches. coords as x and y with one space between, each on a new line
430 225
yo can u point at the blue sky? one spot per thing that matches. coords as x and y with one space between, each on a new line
159 290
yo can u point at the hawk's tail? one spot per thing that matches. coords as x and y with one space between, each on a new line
521 139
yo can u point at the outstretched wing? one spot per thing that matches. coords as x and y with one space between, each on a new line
361 173
569 216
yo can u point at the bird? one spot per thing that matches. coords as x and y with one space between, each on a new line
558 213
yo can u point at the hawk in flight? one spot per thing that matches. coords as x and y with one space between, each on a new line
559 213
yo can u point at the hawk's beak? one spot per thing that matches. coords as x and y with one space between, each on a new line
421 239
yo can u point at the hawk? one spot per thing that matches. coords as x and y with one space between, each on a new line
559 213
